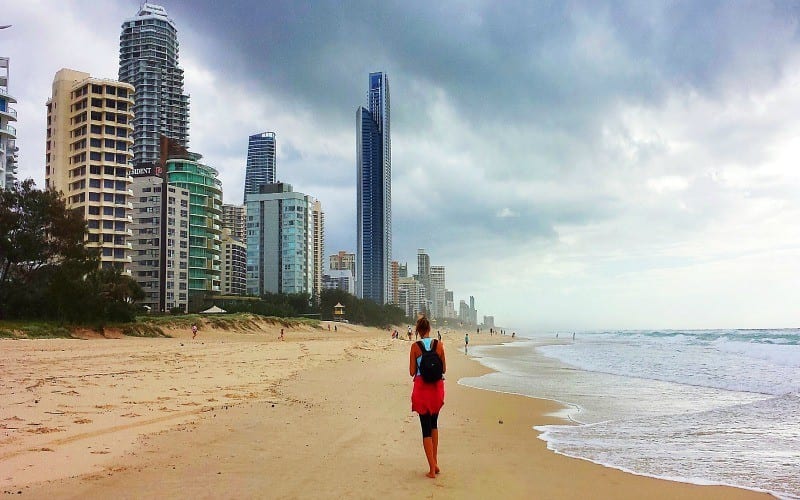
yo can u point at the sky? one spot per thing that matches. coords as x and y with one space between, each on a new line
574 165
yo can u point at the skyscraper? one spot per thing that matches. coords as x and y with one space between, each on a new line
374 186
260 162
8 134
233 218
280 241
148 59
318 217
87 158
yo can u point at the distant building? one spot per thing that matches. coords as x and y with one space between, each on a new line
488 321
395 282
233 274
437 291
260 169
148 60
340 279
343 260
374 193
412 297
473 313
280 241
464 314
318 219
233 218
161 243
8 134
424 267
205 227
402 270
87 158
449 305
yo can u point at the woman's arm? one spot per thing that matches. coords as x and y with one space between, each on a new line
412 366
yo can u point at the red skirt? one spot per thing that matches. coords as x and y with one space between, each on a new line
427 399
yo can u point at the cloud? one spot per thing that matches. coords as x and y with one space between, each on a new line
571 163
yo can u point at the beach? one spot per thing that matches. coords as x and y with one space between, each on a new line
244 415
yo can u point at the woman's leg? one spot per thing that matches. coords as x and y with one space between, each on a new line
427 443
435 439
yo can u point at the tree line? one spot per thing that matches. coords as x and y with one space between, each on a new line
46 270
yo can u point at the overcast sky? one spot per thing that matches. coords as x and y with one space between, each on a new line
574 165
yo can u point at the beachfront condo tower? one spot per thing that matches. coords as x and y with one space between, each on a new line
374 187
233 219
88 158
148 59
234 264
205 219
280 241
8 134
318 217
260 162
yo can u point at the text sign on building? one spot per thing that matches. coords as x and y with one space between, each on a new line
148 171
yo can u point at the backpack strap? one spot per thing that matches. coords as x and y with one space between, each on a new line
434 344
420 345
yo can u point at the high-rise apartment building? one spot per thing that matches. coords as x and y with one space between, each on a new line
318 218
436 281
280 241
423 267
234 264
374 187
395 277
88 155
8 134
260 162
161 243
148 59
341 279
233 219
412 297
205 211
343 260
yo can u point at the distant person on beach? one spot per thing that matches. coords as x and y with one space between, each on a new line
335 328
573 335
466 342
427 397
281 337
439 334
194 331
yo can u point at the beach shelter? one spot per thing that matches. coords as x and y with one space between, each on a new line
213 310
338 311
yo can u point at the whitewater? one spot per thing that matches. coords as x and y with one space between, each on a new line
700 406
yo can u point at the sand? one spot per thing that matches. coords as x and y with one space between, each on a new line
244 415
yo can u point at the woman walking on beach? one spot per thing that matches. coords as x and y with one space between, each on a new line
427 398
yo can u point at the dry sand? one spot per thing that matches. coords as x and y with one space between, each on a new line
235 415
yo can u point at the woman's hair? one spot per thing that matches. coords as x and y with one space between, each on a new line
423 326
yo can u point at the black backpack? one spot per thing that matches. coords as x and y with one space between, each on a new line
430 364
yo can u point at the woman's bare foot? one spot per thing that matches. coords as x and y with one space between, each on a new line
431 475
437 469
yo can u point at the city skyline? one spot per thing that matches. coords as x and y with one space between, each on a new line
614 167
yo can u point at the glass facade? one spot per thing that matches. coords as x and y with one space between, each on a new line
8 134
148 59
205 226
260 162
374 186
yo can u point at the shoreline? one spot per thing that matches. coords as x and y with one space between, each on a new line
565 414
338 423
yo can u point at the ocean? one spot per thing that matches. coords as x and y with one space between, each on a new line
699 406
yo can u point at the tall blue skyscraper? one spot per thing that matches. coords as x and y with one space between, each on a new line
374 178
260 162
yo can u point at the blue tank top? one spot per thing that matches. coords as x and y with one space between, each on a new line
427 343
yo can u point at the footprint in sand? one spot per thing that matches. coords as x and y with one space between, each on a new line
130 415
82 421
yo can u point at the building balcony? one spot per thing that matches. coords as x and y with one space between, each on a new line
9 112
9 130
4 93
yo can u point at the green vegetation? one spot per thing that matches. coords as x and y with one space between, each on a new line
33 330
360 311
47 272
